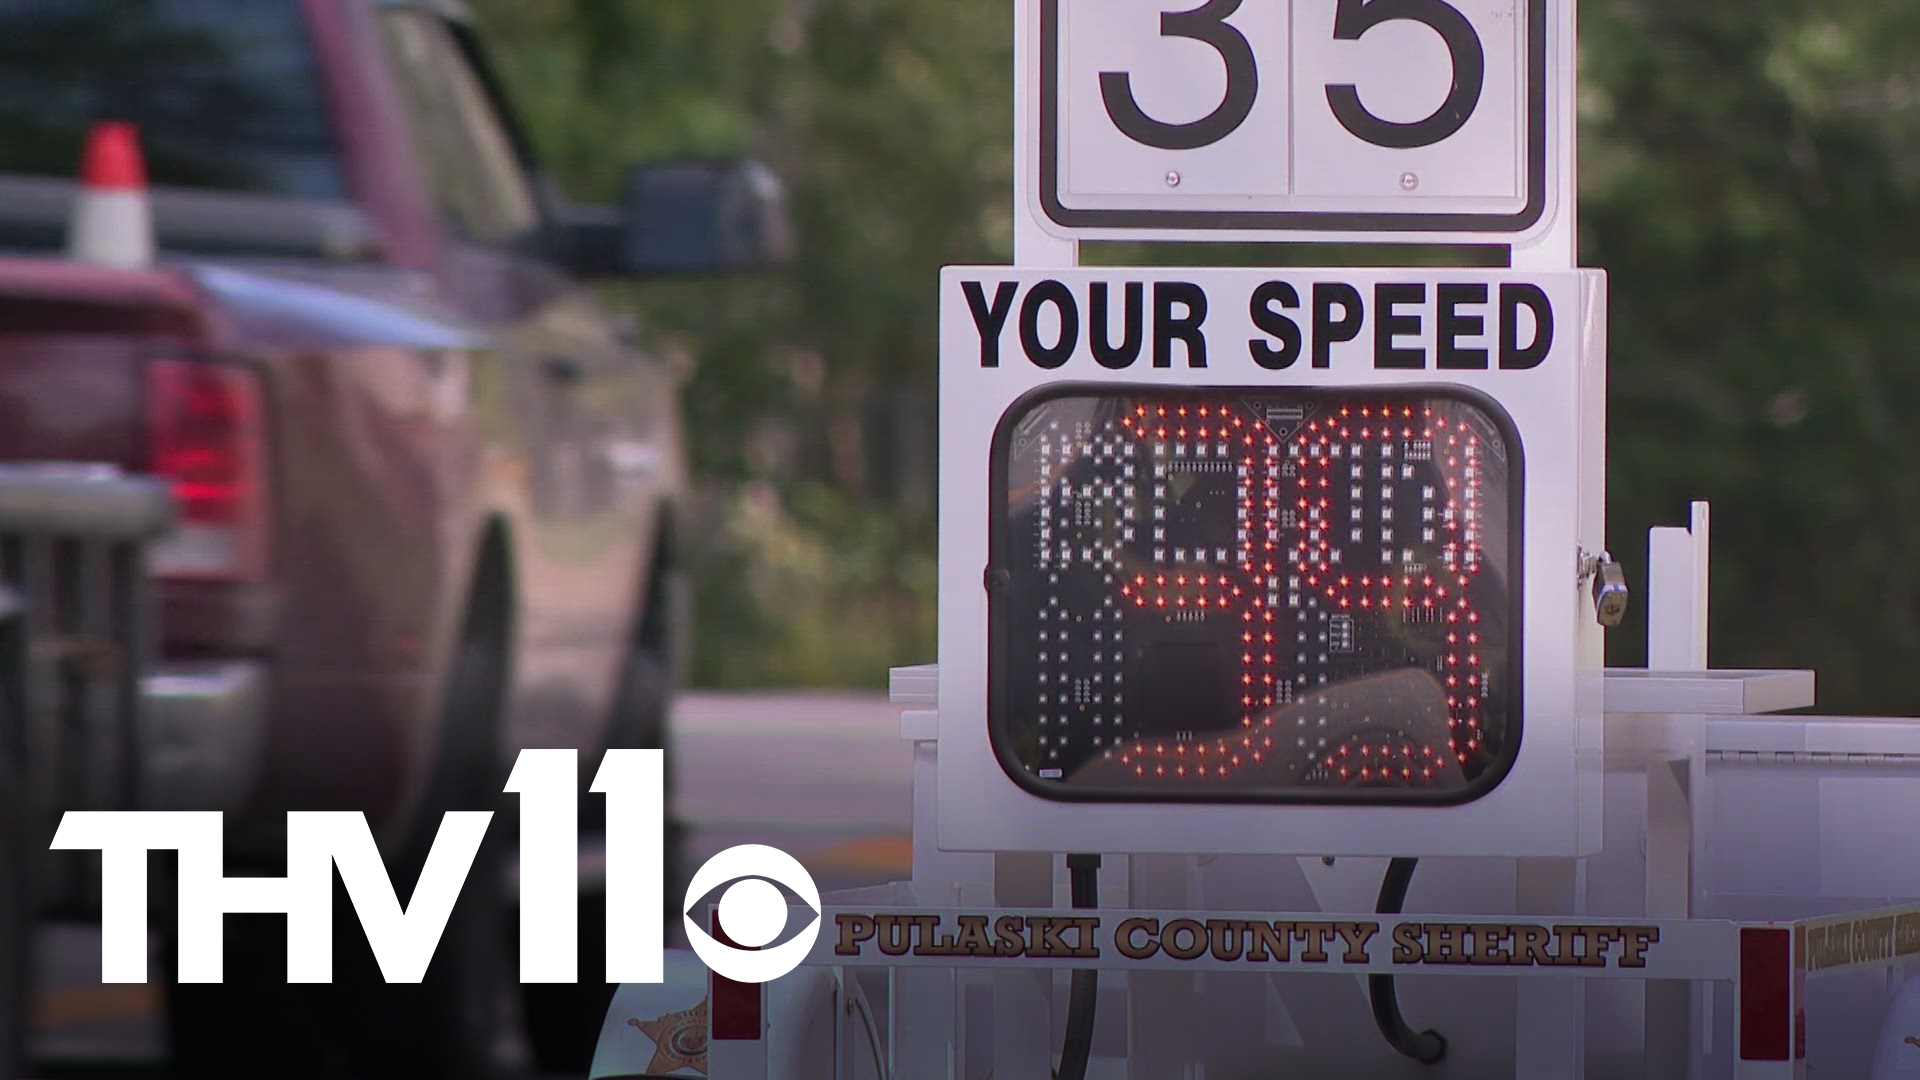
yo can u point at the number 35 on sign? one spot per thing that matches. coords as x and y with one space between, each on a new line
1195 119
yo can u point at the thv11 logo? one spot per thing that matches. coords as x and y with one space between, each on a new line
753 912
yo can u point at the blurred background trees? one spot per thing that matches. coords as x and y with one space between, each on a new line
1750 178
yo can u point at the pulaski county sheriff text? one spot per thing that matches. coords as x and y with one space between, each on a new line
1067 937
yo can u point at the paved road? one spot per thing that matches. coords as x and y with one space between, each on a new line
823 776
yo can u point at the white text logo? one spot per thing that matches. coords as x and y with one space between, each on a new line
403 939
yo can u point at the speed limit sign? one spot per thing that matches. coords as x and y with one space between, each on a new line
1344 119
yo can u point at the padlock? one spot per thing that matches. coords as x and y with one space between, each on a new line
1610 595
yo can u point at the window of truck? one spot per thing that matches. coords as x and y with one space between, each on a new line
227 94
466 146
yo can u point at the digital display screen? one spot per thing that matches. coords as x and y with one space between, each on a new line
1255 595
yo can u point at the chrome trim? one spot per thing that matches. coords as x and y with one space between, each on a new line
202 734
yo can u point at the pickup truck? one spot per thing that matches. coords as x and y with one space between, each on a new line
429 493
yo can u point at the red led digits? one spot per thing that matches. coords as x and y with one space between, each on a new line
1401 518
1207 579
1295 578
1307 508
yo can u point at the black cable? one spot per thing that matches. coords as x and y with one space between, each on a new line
1426 1047
1083 878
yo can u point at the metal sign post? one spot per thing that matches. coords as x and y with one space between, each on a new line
1314 120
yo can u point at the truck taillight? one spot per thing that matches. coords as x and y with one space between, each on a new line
204 431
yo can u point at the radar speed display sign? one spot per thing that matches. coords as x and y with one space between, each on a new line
1288 560
1348 118
1256 593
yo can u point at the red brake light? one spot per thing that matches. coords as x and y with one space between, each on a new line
204 432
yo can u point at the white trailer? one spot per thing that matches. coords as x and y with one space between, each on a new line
1773 858
1270 733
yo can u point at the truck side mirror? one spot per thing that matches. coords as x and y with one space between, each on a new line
684 218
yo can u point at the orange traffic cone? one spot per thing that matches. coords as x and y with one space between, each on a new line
112 222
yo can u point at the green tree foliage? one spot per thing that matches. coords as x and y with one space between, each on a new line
1749 181
1749 178
810 394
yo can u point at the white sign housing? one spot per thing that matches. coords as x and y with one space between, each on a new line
1530 345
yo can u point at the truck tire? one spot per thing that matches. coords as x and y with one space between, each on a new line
563 1020
449 1025
224 1031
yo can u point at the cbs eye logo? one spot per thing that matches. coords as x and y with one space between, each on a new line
754 913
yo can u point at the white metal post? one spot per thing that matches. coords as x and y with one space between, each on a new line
1032 245
1676 641
1160 1023
924 1015
1023 1000
1677 595
1701 1025
1559 249
1669 850
1550 1020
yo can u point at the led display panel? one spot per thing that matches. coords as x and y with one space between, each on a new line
1262 595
